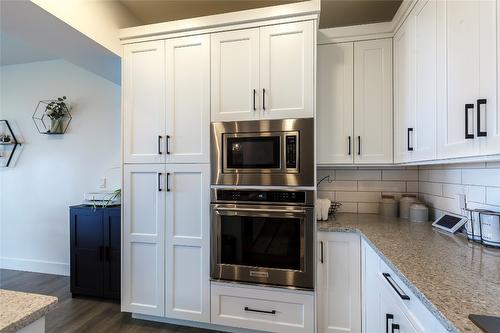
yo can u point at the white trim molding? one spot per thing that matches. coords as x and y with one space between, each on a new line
38 266
367 31
220 22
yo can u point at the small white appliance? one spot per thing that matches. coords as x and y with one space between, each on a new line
490 228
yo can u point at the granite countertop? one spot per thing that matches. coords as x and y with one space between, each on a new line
451 276
18 309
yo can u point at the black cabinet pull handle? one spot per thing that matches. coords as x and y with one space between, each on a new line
168 186
168 144
388 316
159 182
395 286
273 312
159 145
467 108
321 258
479 103
359 145
107 250
394 327
349 148
410 131
264 99
254 107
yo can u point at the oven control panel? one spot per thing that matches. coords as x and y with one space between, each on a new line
261 196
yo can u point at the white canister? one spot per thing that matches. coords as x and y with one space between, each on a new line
490 228
419 212
388 206
405 203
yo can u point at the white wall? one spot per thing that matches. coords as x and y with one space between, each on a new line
99 20
53 172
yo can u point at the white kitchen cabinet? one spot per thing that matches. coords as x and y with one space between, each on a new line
263 73
143 247
166 240
383 306
415 61
355 116
466 39
287 70
143 102
166 101
373 115
339 282
235 75
491 143
262 308
335 98
187 99
187 252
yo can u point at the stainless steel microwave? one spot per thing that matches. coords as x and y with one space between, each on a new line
263 152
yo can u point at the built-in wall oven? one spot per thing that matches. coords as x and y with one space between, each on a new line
263 236
263 152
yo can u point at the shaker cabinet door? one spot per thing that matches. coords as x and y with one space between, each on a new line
287 70
235 75
143 288
373 115
335 104
187 261
188 99
143 85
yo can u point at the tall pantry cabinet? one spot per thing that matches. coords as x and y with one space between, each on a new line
166 122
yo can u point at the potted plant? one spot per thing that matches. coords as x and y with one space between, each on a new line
56 110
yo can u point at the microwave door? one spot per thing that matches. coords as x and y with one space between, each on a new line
251 153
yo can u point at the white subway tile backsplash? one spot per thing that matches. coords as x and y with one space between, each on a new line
412 187
358 174
442 203
358 196
382 186
476 194
450 176
431 188
404 175
485 177
452 190
493 196
348 207
493 164
326 195
367 208
338 185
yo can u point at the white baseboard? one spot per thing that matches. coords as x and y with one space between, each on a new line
38 266
193 324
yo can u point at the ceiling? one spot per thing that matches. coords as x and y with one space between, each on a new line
334 13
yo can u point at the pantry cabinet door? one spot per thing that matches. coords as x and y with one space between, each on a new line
373 116
287 70
188 99
187 260
235 75
339 274
491 142
143 86
466 73
335 104
143 245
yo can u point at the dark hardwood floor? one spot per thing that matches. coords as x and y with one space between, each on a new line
81 314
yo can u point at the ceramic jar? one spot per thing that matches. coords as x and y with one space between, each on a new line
405 203
419 212
388 206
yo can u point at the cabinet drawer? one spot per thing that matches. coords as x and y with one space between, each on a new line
262 308
413 308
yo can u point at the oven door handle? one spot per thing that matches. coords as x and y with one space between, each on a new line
260 210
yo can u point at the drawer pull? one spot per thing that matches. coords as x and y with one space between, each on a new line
395 286
468 107
394 327
321 259
273 312
388 316
479 103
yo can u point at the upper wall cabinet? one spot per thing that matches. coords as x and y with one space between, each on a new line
355 103
166 101
415 65
263 73
468 115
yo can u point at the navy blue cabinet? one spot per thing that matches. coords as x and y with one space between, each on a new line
95 251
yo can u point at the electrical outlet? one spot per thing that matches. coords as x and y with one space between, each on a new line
102 182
